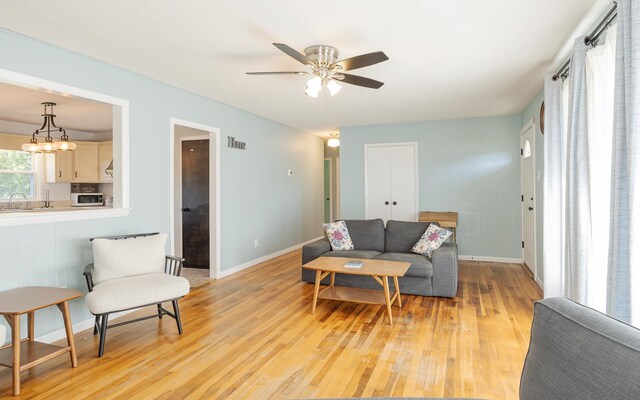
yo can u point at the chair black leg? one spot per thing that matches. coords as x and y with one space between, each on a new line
160 310
95 325
103 333
176 311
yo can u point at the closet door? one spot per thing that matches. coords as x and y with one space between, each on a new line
403 182
377 183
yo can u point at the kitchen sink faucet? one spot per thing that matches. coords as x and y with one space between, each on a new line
11 199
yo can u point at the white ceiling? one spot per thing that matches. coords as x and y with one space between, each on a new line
447 59
18 104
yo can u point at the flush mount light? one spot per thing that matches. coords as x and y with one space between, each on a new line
333 140
49 146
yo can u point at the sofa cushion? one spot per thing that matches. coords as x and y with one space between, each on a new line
352 253
400 236
338 235
135 291
420 267
367 234
120 258
431 240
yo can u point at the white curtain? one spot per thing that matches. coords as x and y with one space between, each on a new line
601 63
578 164
623 301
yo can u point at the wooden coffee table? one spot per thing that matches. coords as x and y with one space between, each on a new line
379 270
26 353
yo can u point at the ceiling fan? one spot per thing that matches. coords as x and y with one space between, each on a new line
322 63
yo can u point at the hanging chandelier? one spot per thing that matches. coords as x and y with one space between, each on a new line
49 146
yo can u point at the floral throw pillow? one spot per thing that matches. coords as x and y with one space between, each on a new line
431 239
338 235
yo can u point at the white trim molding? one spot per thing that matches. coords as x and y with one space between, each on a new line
506 260
249 264
214 189
120 153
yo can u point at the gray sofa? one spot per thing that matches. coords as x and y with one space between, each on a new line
578 353
437 276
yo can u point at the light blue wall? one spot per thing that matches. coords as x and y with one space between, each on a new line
471 166
258 200
533 111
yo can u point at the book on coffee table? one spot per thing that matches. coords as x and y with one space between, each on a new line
353 264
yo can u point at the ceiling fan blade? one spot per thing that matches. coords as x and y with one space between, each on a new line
359 81
363 60
279 73
293 53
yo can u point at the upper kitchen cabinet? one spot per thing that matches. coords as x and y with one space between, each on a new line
106 157
85 162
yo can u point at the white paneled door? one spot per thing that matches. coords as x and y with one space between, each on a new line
391 181
528 198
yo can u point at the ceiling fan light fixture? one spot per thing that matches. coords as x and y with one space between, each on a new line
315 83
333 87
312 93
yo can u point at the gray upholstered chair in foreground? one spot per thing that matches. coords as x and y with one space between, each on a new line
578 353
131 272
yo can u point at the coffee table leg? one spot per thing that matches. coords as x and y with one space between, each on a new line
15 342
31 322
316 291
64 307
385 285
333 278
395 282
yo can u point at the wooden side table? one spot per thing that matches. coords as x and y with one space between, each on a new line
448 219
26 353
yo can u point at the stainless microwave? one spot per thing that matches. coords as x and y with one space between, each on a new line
86 199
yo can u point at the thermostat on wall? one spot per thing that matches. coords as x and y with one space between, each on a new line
290 172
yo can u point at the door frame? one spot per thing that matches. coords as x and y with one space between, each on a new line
214 188
330 189
417 168
337 216
529 125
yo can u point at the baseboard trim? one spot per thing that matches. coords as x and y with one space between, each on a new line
234 270
77 327
506 260
539 282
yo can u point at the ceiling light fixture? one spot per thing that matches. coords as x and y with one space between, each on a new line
315 84
49 145
333 140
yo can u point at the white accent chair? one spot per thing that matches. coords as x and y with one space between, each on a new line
130 272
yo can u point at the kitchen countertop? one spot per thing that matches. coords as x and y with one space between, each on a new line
23 211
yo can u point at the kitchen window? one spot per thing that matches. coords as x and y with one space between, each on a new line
17 173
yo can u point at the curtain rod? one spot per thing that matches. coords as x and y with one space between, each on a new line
591 39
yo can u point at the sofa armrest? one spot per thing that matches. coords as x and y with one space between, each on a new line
445 270
313 250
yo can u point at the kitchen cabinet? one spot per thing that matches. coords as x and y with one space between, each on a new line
81 165
59 167
106 156
85 163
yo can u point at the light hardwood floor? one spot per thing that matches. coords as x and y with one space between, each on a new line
252 336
